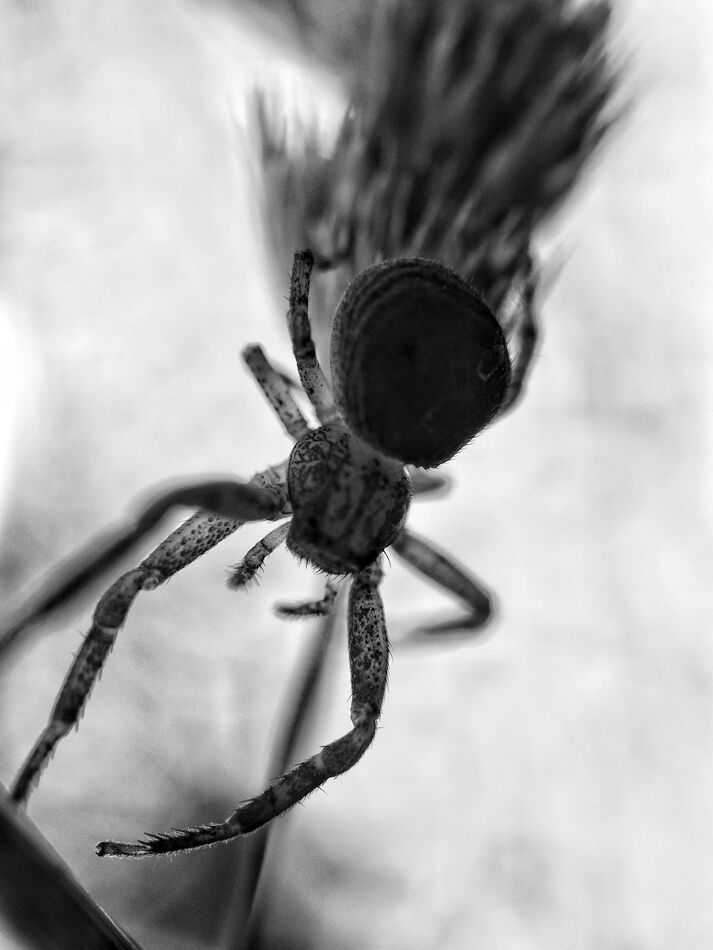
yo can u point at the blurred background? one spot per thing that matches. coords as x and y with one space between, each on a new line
546 786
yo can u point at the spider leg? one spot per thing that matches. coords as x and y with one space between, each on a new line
242 573
526 334
310 372
430 562
424 482
227 504
311 608
368 657
277 389
254 502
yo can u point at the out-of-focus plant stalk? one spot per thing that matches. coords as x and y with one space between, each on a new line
469 122
39 897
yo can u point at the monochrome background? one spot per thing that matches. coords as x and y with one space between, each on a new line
547 786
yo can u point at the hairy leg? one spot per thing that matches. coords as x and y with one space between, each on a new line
236 503
241 574
310 372
227 501
368 657
277 390
430 562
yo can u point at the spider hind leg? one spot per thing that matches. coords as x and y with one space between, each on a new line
235 502
448 574
368 658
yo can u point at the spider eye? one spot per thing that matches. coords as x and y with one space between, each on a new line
419 362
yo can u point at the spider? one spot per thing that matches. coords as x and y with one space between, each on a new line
420 365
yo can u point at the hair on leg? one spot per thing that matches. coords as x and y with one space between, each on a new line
310 372
368 658
277 391
264 498
242 573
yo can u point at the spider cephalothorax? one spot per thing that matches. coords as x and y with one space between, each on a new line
348 501
419 366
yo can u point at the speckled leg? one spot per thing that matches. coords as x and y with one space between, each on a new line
368 656
311 375
446 573
241 574
526 334
264 498
277 390
310 608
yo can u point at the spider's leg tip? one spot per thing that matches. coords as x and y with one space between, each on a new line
241 577
118 849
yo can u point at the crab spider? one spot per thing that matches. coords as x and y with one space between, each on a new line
420 365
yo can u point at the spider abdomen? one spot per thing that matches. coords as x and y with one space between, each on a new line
419 362
348 501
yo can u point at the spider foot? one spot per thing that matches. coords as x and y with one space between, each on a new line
466 628
247 570
178 839
243 575
290 788
448 574
310 608
467 623
368 658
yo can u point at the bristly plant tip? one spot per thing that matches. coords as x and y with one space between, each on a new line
468 123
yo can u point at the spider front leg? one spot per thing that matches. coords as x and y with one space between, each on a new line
368 658
243 573
311 376
233 502
277 390
422 556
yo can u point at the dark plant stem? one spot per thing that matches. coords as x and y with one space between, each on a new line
40 901
243 927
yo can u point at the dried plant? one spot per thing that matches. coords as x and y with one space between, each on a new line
468 123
